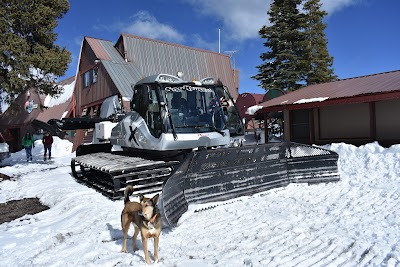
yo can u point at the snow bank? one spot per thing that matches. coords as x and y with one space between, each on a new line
354 222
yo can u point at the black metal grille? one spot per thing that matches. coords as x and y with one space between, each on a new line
217 175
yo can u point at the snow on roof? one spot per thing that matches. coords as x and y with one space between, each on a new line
309 100
253 109
350 90
62 98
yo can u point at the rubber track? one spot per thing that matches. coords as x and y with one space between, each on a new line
110 173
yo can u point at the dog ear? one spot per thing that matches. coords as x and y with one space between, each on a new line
155 199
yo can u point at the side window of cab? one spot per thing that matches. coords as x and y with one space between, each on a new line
145 102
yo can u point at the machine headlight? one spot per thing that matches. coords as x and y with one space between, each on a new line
140 137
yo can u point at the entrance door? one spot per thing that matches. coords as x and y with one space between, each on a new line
14 140
300 126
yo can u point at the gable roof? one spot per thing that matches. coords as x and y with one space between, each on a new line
368 88
121 72
144 57
57 107
104 50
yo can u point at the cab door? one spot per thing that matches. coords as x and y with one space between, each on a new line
233 121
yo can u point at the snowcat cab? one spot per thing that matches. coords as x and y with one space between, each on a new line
171 115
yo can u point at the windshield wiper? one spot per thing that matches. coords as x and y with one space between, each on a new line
170 120
192 126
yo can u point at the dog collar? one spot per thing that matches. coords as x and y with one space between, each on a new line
153 219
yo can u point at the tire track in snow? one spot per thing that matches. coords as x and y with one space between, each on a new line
288 239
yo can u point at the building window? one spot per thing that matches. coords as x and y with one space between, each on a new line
86 79
89 77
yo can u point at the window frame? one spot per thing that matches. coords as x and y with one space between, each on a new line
89 77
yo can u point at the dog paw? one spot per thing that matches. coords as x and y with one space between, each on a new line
123 250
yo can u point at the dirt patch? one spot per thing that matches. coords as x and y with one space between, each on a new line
15 209
4 177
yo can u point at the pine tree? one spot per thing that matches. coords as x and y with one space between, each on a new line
320 62
283 65
297 48
29 58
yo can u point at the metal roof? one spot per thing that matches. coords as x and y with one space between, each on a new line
145 57
153 57
104 50
123 75
354 90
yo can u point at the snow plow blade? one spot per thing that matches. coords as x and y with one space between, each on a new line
222 174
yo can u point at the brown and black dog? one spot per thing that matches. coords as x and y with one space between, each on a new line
146 219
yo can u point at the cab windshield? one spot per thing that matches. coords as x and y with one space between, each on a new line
193 108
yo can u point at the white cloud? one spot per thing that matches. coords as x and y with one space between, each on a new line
197 41
146 25
242 19
335 5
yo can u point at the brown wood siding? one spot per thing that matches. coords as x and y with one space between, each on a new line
20 117
359 110
355 124
14 124
103 88
87 58
387 122
86 62
345 121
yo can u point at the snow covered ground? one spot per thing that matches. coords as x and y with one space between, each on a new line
354 222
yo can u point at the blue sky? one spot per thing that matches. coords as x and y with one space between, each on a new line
363 35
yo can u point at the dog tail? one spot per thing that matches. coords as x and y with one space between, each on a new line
128 191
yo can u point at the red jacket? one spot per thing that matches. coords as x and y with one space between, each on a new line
47 140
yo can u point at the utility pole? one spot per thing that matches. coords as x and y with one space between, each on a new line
219 40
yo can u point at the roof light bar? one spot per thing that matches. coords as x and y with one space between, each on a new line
166 78
207 81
